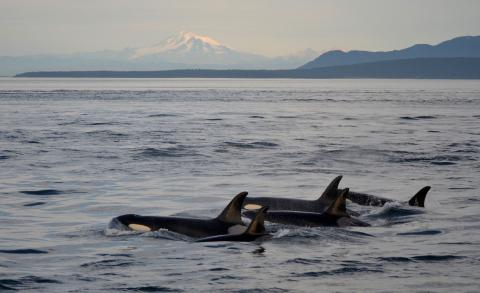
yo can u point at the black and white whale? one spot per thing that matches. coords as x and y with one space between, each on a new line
329 195
255 230
335 215
418 200
229 222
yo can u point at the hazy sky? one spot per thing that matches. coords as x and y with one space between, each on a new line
268 27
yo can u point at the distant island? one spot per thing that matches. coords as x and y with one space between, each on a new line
426 68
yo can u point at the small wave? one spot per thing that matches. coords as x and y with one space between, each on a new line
394 210
107 133
149 289
281 233
433 257
418 117
306 234
108 263
104 123
23 251
395 259
32 204
167 235
422 232
304 261
251 145
162 115
440 163
261 290
214 119
42 192
422 258
340 271
287 117
83 122
218 269
173 152
435 160
115 254
227 278
217 245
6 288
116 228
256 117
12 284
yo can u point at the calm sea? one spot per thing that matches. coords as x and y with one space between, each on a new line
74 153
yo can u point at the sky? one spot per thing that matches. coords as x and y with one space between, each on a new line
269 27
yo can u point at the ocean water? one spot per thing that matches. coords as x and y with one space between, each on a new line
75 153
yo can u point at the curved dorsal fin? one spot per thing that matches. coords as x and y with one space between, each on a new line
339 207
418 200
232 212
331 192
257 224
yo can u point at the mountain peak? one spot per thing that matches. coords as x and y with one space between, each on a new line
182 43
188 36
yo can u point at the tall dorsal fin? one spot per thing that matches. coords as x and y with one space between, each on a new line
257 224
232 212
339 206
331 192
418 200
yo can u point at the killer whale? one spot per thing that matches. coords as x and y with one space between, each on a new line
319 205
255 230
228 222
335 215
418 200
328 196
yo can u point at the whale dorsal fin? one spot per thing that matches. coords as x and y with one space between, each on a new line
339 206
232 212
331 192
257 224
418 200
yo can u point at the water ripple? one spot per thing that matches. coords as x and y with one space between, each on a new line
42 192
422 232
149 289
251 145
168 152
23 251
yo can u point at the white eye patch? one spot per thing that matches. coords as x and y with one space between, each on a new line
140 228
252 206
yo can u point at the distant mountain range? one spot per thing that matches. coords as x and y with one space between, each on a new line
468 46
183 51
455 58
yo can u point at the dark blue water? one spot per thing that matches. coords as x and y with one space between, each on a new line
76 153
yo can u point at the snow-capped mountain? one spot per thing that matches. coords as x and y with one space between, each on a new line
182 51
183 44
192 49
